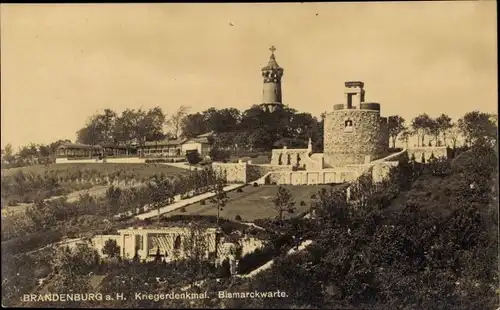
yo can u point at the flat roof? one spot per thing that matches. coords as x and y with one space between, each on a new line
78 146
174 142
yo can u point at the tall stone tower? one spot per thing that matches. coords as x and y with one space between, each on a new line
354 132
272 74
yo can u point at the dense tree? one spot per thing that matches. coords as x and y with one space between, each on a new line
421 125
478 126
97 129
395 127
131 126
150 125
28 151
223 120
107 120
8 154
302 125
405 136
193 125
217 154
113 195
111 248
260 139
125 125
255 128
444 124
195 248
453 133
433 131
283 202
220 198
225 139
175 122
193 157
161 191
44 150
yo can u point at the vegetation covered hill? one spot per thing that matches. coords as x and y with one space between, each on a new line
438 249
27 184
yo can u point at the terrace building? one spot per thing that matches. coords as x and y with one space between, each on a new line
172 243
76 150
118 150
178 147
164 148
202 144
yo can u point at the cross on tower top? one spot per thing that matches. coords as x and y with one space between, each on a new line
272 49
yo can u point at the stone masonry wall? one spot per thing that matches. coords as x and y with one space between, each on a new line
289 153
255 172
235 172
367 137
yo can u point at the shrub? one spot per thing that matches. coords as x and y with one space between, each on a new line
13 202
256 259
203 202
440 167
193 157
237 217
30 242
182 209
71 234
313 196
302 203
255 184
217 154
239 190
224 270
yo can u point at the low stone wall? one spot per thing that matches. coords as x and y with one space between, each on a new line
284 174
127 160
311 177
427 151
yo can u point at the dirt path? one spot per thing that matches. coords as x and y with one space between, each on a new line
185 202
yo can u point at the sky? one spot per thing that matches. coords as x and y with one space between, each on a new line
61 63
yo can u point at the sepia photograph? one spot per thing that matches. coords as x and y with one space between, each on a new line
301 155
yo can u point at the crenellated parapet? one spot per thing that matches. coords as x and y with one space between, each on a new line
354 132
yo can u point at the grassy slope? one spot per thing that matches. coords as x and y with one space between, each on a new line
138 170
255 202
141 170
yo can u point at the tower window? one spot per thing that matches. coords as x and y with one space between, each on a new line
348 125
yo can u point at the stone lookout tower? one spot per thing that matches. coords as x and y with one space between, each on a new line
354 132
272 74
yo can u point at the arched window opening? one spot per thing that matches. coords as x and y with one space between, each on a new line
177 243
